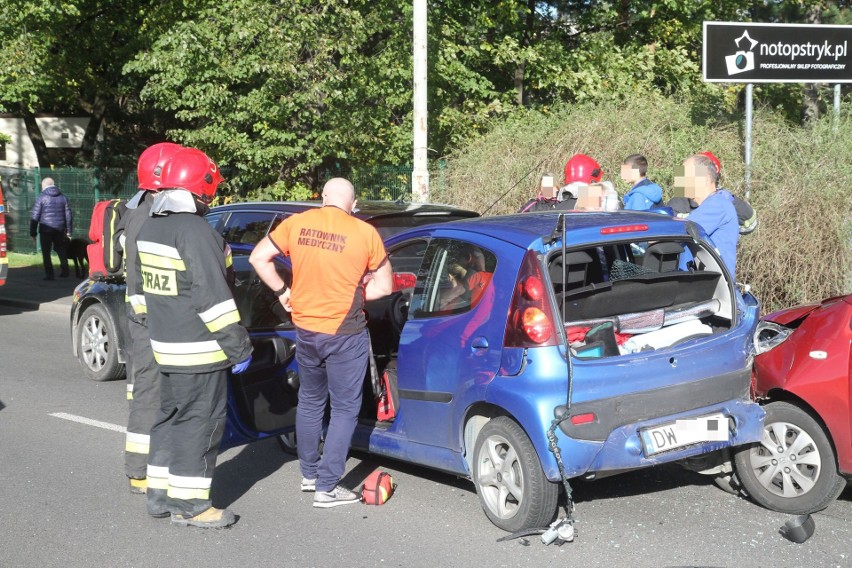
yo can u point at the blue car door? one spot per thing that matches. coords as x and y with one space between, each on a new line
450 346
262 400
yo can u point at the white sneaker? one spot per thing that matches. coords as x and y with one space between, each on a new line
309 485
337 496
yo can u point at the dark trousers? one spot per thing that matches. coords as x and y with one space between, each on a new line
50 239
329 366
185 442
143 396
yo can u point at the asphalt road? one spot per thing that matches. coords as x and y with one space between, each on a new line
64 500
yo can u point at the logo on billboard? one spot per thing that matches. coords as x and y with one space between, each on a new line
742 60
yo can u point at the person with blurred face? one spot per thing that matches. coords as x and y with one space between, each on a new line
644 194
716 214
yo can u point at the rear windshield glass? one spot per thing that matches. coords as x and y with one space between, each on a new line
388 226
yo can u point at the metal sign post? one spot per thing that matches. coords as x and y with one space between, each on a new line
836 106
748 123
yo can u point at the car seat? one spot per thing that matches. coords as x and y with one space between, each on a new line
662 257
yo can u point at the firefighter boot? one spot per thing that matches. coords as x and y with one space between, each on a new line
212 518
138 486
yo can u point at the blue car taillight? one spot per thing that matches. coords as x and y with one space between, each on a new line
531 322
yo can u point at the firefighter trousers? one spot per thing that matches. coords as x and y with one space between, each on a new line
185 442
143 395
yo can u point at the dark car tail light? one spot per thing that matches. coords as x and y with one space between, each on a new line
403 280
531 322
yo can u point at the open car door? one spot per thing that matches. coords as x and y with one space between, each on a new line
262 400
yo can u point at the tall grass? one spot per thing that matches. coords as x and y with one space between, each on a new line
801 179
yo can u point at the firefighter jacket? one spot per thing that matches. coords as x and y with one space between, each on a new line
126 233
192 318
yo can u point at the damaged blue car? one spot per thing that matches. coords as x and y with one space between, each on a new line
510 340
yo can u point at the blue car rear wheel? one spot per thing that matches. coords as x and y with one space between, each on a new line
512 488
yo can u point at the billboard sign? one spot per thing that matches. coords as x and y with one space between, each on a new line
776 53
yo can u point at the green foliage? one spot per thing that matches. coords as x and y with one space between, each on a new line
800 178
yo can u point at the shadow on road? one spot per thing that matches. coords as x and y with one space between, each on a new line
235 477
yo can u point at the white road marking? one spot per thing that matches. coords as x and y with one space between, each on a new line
90 422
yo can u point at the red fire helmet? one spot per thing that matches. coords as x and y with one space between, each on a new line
582 168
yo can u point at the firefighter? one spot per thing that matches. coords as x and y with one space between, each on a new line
580 171
195 337
143 377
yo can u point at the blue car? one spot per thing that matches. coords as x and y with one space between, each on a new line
501 329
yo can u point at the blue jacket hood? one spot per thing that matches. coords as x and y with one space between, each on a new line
52 191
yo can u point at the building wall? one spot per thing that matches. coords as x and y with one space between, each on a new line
58 132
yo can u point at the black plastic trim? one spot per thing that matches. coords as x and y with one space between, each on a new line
428 396
612 413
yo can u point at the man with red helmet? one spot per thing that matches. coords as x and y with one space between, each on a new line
715 212
193 321
581 171
143 377
746 215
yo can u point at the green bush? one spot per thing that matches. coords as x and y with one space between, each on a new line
800 180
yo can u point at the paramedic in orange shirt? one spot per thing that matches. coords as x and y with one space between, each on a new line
339 262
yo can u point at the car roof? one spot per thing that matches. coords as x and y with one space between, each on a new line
366 209
525 229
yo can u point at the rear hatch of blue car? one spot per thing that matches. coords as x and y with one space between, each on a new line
657 332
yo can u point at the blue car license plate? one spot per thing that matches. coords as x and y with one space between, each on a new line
681 433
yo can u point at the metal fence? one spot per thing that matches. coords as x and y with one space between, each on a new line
82 187
85 187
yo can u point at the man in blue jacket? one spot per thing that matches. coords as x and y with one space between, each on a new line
644 194
715 213
52 219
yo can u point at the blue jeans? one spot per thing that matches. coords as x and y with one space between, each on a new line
329 366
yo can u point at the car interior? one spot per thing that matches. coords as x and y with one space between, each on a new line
624 298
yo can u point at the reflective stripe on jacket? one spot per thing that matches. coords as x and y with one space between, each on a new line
192 318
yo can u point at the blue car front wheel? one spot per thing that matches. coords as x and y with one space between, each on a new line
512 488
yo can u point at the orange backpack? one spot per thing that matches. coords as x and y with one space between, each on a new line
104 253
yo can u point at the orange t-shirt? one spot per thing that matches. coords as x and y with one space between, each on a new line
476 283
331 252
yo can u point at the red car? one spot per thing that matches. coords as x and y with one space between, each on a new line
803 378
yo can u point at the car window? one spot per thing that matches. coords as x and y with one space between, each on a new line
216 221
247 226
258 307
407 258
391 225
277 221
452 279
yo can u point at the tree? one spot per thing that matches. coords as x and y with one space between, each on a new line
67 58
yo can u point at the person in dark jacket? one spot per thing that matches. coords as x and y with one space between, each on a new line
196 338
52 220
644 194
143 375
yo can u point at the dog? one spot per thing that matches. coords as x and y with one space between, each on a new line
78 253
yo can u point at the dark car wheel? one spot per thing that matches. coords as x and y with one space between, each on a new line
793 468
512 488
97 345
